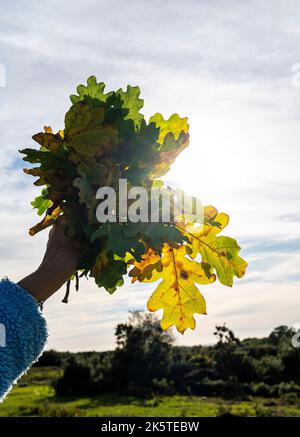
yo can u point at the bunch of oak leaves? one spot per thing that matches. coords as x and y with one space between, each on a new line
105 139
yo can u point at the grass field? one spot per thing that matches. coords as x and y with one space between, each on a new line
34 396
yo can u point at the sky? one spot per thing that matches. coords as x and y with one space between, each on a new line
233 69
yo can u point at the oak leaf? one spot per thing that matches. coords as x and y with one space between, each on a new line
220 252
177 293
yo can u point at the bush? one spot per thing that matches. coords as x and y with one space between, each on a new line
264 390
226 389
50 358
286 388
289 399
163 386
76 380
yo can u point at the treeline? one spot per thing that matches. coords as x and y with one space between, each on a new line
147 362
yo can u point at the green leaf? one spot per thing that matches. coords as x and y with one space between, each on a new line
93 89
86 192
42 203
111 276
132 102
117 242
77 119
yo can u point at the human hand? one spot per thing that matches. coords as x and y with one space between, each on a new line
58 265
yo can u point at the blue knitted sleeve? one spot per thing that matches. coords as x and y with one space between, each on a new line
23 333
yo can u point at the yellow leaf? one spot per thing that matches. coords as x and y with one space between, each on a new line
220 253
143 269
48 129
177 294
174 125
47 221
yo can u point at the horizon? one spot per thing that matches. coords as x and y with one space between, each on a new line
182 345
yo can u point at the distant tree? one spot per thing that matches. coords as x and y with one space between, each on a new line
282 336
225 335
224 352
142 354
